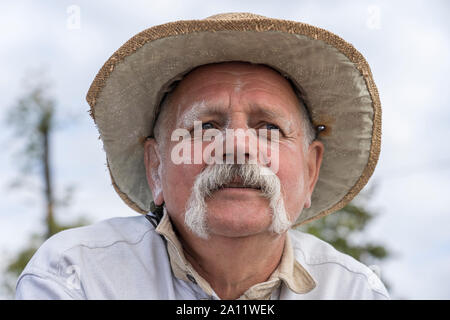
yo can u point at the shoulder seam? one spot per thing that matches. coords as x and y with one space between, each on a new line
325 260
354 272
136 241
61 254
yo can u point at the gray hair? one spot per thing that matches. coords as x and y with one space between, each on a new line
309 131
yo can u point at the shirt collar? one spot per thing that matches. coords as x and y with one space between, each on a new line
289 271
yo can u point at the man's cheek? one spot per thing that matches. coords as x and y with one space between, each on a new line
292 185
182 177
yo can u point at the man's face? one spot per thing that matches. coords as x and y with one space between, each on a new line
235 96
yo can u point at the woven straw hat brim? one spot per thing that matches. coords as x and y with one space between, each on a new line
335 78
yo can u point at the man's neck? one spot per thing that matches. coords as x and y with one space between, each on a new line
233 265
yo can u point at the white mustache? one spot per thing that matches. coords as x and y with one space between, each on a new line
250 175
217 176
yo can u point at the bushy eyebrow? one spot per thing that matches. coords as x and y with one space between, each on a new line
260 110
198 111
273 113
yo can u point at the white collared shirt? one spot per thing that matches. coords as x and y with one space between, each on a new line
126 258
288 271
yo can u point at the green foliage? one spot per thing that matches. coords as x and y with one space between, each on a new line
342 229
19 263
32 120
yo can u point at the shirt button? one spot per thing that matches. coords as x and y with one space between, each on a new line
191 278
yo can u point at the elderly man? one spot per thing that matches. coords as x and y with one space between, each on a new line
171 106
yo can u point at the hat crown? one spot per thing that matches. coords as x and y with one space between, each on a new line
235 16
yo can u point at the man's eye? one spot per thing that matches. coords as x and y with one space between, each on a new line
271 126
207 125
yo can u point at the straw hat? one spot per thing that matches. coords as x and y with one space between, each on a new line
333 76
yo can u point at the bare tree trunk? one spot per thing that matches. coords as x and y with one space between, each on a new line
48 184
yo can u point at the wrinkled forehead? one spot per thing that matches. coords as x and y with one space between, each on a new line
236 74
235 70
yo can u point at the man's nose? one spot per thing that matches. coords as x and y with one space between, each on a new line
240 144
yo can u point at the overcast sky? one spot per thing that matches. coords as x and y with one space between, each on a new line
405 42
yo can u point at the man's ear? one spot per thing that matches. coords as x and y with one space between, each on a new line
314 160
152 160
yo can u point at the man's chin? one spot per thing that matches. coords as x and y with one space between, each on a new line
236 233
234 221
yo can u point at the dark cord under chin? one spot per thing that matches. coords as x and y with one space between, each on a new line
156 213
